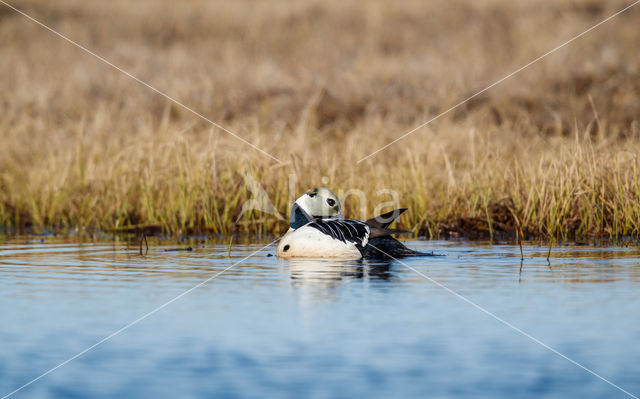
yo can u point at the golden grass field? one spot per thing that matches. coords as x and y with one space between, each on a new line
319 85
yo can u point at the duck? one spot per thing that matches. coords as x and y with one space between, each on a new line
318 229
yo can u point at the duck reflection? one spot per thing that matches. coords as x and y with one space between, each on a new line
322 280
328 270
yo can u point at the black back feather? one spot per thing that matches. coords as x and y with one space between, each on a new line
350 230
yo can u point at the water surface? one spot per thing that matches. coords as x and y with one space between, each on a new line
323 328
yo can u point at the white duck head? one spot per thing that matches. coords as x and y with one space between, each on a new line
317 203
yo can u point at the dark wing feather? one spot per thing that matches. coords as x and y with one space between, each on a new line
343 230
389 248
383 221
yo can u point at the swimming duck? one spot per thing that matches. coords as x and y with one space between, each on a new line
319 230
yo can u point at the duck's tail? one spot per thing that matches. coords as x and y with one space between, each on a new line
383 221
379 225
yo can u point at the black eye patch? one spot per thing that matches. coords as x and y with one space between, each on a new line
312 194
331 201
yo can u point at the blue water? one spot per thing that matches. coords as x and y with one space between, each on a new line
340 329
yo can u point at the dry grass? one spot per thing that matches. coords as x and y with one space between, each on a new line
320 84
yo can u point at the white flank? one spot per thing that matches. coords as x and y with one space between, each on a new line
308 242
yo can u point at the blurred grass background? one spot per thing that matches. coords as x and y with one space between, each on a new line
321 84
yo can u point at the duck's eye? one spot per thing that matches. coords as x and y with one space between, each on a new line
331 201
312 194
286 248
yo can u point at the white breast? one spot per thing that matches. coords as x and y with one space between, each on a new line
308 242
